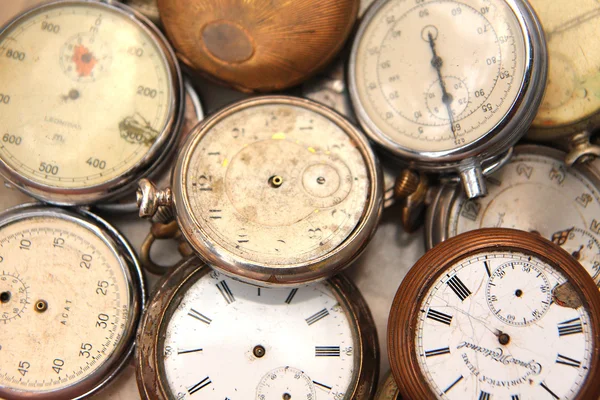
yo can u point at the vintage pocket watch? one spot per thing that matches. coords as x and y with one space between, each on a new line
534 192
570 110
273 190
205 333
496 314
91 101
71 294
448 87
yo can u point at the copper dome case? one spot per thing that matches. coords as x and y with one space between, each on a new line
261 45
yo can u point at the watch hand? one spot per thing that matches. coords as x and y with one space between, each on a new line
437 63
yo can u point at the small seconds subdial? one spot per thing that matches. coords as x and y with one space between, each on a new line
518 292
286 383
13 297
583 246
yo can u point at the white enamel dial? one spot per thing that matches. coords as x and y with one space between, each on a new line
226 339
85 93
65 305
276 184
570 215
467 351
436 75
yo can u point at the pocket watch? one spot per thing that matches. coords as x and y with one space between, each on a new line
193 113
206 334
91 101
496 314
570 110
534 192
71 294
388 390
448 87
273 190
260 45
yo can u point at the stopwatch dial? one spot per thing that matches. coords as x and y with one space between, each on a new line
574 61
86 92
470 350
439 74
227 339
286 383
277 184
569 216
73 304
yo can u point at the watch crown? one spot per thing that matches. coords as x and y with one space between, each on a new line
406 183
149 198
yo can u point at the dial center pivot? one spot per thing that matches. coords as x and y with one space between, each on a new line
259 351
5 297
41 306
286 396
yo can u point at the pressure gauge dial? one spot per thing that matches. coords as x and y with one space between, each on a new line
448 86
571 105
496 313
91 101
534 192
209 335
274 190
71 293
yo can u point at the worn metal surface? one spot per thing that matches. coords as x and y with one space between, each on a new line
377 273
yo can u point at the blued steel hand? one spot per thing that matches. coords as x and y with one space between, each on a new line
437 63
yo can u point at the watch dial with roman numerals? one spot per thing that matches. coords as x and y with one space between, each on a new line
223 339
493 325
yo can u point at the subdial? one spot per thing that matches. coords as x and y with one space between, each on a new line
327 182
518 293
457 99
582 245
13 297
84 57
285 383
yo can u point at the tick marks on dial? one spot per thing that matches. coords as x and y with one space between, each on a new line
200 385
291 296
200 317
317 317
439 316
458 287
225 292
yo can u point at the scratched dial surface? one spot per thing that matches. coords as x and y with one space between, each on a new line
573 89
466 350
226 339
86 91
277 184
69 296
435 75
569 216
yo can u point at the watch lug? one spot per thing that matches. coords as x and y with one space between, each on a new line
471 176
581 150
150 199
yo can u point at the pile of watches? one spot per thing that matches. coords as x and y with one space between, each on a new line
473 119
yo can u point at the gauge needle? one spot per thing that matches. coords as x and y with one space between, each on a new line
437 63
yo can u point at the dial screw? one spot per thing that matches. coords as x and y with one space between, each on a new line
41 306
518 293
287 396
275 181
320 180
5 297
406 183
259 351
504 339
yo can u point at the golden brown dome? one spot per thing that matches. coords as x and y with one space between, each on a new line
257 45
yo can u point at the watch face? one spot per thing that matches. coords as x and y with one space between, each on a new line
277 185
437 75
574 61
225 339
491 326
538 193
86 93
65 308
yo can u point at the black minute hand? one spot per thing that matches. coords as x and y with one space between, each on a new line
437 63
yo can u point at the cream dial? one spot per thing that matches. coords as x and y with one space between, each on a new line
467 351
436 75
569 215
573 91
226 339
86 92
73 305
276 184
